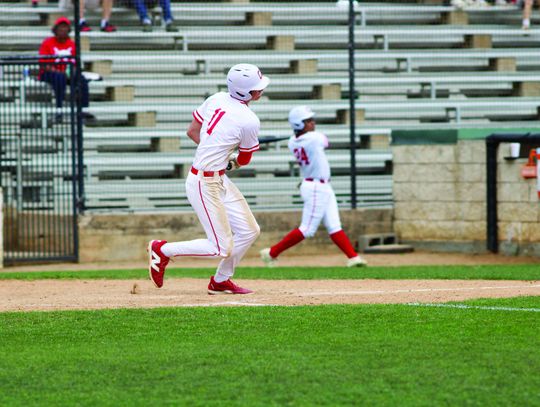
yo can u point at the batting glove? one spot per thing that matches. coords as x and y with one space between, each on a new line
233 164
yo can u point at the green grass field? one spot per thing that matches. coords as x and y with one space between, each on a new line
480 272
484 354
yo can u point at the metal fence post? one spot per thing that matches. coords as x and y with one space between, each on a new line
352 105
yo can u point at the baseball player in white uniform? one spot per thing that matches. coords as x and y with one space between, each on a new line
307 146
223 124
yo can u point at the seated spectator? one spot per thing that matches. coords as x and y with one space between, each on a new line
106 10
527 7
147 22
58 74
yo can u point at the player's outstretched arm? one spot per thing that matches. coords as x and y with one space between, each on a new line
194 131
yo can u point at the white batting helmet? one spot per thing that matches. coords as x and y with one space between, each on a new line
243 78
297 115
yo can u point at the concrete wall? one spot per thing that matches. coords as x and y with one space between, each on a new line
440 199
123 237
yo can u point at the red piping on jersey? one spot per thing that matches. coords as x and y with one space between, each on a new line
249 149
210 220
198 117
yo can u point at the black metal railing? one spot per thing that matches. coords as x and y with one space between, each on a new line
38 161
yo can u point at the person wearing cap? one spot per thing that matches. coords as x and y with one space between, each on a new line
320 204
61 48
222 125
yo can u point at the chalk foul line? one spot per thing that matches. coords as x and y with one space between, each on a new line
413 290
480 307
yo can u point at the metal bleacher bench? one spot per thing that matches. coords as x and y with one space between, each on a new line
273 193
327 110
454 109
284 84
290 12
385 36
129 165
94 138
202 62
304 36
222 13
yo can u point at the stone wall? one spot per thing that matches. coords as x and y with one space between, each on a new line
440 199
123 237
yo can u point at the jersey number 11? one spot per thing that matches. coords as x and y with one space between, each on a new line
218 115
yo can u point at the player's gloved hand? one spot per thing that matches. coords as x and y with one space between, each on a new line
233 164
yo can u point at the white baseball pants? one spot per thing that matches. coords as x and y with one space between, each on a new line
226 218
319 204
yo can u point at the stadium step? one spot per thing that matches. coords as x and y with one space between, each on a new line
382 243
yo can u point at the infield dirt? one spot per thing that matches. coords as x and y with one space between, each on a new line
47 295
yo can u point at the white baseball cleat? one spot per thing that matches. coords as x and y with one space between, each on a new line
268 260
356 262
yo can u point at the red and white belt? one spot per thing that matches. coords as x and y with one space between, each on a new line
207 173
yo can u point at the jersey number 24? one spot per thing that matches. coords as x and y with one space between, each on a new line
301 156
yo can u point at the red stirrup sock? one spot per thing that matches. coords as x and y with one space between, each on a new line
292 238
342 241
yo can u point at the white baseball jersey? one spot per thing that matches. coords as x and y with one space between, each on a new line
227 123
320 202
308 150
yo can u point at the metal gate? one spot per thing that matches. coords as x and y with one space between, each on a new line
38 165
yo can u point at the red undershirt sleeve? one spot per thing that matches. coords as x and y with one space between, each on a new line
244 157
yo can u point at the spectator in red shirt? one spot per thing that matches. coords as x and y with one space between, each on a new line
58 74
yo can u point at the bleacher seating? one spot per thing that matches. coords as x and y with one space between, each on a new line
417 66
374 190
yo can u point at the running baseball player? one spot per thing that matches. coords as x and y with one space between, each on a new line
223 124
307 146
